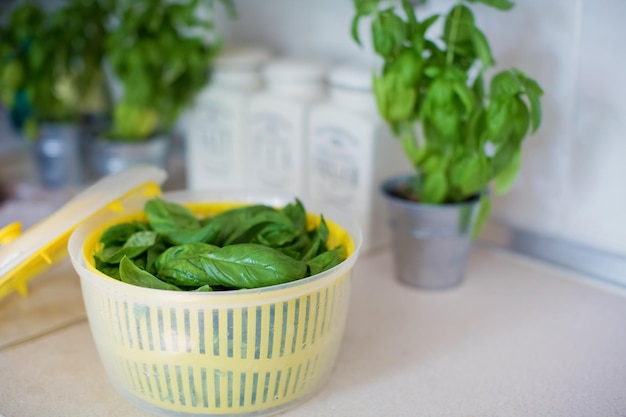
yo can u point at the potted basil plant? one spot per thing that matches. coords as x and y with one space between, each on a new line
461 132
159 53
46 58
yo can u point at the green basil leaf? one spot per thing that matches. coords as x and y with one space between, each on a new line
112 270
354 29
435 188
498 119
326 260
503 5
245 265
504 181
234 223
418 37
395 100
388 33
459 25
140 262
409 65
413 24
475 175
136 245
505 83
177 224
296 248
270 226
318 239
521 122
482 48
186 251
119 234
484 211
366 7
275 235
533 92
475 133
164 215
131 274
153 253
297 214
465 94
503 157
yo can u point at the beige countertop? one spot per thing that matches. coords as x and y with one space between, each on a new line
518 338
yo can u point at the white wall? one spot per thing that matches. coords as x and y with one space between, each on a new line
572 179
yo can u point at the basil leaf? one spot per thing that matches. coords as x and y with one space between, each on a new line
263 223
435 188
112 270
388 33
484 210
497 119
275 235
354 29
233 223
131 274
187 251
297 214
164 216
326 260
153 253
505 179
119 233
482 48
505 83
296 248
497 4
245 265
204 288
533 92
414 25
136 245
465 94
503 157
176 223
459 25
366 7
318 239
474 175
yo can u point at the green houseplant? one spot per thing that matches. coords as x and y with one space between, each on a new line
461 132
50 75
159 53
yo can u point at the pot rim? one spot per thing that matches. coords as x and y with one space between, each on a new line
387 185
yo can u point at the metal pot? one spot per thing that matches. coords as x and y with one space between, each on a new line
111 156
56 152
431 243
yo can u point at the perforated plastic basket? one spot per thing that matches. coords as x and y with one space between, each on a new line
245 352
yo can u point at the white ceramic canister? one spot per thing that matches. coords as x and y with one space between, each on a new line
278 125
351 151
218 126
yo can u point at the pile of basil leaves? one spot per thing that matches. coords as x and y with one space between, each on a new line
245 247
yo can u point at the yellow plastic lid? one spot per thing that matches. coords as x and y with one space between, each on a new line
25 255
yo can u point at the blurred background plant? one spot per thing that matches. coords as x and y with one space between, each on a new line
51 63
160 52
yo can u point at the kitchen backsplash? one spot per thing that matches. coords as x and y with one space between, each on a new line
571 181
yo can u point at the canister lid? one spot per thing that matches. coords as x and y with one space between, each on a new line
242 58
351 77
295 71
24 255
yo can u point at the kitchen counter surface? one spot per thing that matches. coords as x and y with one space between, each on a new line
518 338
